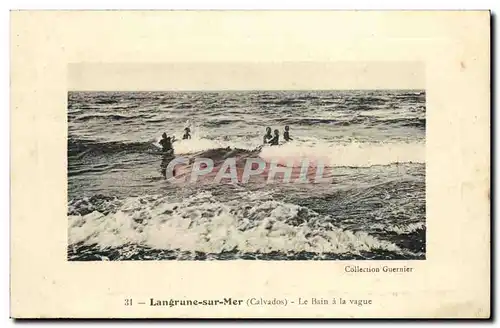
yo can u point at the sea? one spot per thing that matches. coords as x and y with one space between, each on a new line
121 207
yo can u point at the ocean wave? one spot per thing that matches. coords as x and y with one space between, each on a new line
251 223
353 154
354 120
78 147
109 117
316 121
198 145
106 101
367 100
293 102
220 122
400 229
409 122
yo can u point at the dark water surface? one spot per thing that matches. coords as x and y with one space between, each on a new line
121 208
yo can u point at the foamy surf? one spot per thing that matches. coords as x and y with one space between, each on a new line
199 144
203 224
352 154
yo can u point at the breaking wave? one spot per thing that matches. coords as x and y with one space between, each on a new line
353 154
203 224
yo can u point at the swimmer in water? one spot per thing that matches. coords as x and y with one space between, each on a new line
187 134
275 140
286 134
268 136
166 143
168 150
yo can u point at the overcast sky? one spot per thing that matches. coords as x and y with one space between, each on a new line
245 76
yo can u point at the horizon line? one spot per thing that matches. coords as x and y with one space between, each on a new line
249 90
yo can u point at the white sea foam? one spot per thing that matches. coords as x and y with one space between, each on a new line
355 154
350 154
202 223
197 144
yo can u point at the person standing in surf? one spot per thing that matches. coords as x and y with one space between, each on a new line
187 134
286 134
276 139
268 136
166 143
168 150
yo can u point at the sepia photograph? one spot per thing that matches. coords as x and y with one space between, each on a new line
247 174
250 164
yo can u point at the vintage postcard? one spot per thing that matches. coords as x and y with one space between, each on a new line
219 164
